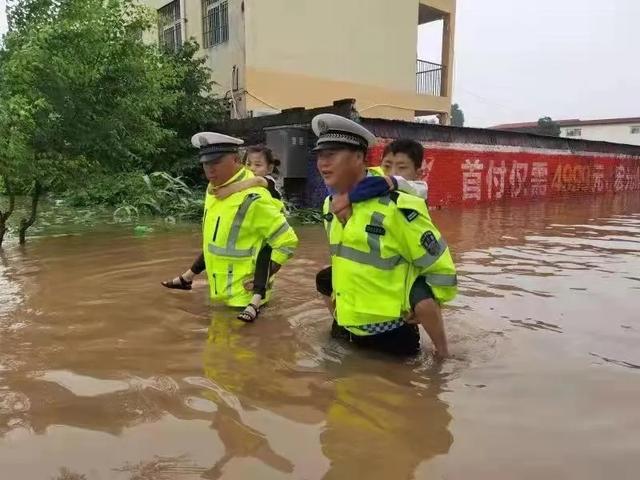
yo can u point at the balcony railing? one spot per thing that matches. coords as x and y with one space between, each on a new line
429 78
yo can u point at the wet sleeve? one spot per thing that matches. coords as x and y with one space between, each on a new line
371 187
272 225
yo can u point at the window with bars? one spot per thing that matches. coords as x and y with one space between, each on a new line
635 130
170 26
215 22
574 132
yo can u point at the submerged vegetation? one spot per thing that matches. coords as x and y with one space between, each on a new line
137 194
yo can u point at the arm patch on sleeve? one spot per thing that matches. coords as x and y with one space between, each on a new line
409 214
430 243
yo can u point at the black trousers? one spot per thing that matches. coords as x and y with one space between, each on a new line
402 341
263 271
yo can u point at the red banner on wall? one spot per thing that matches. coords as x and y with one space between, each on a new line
463 174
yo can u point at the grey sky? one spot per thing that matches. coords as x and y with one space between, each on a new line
518 60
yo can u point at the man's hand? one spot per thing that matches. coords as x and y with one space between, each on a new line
440 354
341 207
428 313
411 318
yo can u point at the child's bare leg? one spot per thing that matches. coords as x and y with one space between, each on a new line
184 281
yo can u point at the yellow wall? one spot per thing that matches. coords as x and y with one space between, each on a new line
333 49
358 41
311 52
270 90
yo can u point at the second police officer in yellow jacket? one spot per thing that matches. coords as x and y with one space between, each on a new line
390 266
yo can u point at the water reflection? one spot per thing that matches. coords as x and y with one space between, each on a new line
380 426
373 416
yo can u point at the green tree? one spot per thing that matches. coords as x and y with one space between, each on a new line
547 126
98 98
194 108
457 116
17 124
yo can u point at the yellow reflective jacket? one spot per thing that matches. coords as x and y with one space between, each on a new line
377 256
233 232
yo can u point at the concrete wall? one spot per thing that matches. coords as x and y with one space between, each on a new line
468 174
471 166
619 133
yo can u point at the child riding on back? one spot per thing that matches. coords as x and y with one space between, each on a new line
261 162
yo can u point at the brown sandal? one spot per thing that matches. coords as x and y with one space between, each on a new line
246 315
183 285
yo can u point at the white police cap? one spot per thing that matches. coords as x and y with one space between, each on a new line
335 132
213 146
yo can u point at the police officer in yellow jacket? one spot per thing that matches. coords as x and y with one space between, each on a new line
237 228
390 266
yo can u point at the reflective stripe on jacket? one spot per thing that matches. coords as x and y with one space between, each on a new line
233 231
377 256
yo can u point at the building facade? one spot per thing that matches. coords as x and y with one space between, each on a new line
614 130
267 56
462 166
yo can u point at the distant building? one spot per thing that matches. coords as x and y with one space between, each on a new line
269 55
615 130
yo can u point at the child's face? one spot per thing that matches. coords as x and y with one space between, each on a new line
400 165
258 165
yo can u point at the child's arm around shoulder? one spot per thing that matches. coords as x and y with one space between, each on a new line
226 191
415 188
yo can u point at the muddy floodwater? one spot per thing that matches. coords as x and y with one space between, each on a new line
106 375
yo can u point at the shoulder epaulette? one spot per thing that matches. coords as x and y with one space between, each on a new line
409 213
